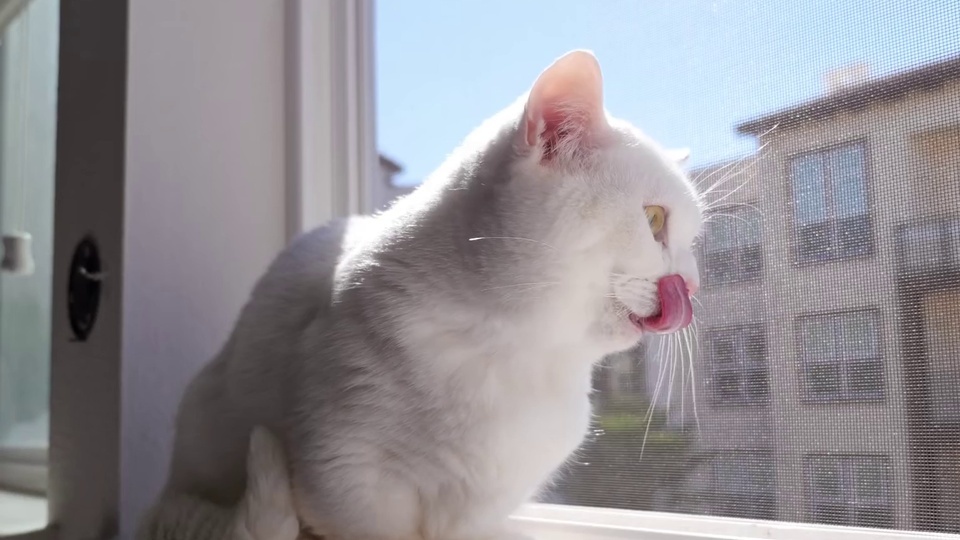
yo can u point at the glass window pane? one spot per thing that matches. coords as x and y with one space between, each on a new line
847 175
827 480
870 480
28 98
808 183
721 233
749 228
820 338
859 335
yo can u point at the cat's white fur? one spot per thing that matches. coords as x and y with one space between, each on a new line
487 393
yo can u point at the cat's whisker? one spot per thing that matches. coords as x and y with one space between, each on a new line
693 378
730 173
683 388
725 196
521 238
673 373
532 284
714 215
702 178
653 401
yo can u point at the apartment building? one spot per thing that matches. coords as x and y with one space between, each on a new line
829 364
384 188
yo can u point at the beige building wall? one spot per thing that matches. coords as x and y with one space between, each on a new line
913 163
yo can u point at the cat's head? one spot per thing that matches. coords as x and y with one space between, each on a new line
573 220
618 201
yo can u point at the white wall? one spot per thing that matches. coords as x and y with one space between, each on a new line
204 203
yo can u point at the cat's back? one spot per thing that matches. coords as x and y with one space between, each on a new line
243 385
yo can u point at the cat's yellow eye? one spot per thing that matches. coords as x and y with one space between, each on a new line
656 217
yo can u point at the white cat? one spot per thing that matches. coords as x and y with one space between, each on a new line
428 369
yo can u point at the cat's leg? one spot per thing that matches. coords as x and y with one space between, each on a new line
267 511
352 499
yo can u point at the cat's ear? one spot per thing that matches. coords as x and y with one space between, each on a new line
680 156
565 105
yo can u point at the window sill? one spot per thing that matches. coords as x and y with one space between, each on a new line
556 522
21 514
24 470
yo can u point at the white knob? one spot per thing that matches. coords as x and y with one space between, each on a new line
17 253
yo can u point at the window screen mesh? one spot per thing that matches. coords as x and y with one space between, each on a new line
824 383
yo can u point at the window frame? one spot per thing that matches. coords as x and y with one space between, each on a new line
556 522
719 458
330 111
737 210
23 469
330 114
846 395
742 333
330 147
847 464
799 260
948 256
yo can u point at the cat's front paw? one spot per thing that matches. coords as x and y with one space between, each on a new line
508 533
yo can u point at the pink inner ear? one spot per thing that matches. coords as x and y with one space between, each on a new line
565 103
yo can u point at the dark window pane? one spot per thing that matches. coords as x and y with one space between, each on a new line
854 236
823 380
865 378
722 267
815 242
830 514
727 386
751 263
757 384
874 516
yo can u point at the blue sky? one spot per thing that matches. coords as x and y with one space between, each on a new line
684 71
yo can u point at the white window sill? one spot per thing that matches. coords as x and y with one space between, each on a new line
20 514
555 522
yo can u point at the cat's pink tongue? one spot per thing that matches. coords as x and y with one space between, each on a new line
676 311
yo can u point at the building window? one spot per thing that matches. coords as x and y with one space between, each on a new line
931 245
831 210
731 250
841 356
738 366
742 484
849 490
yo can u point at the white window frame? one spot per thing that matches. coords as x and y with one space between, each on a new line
331 137
555 522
